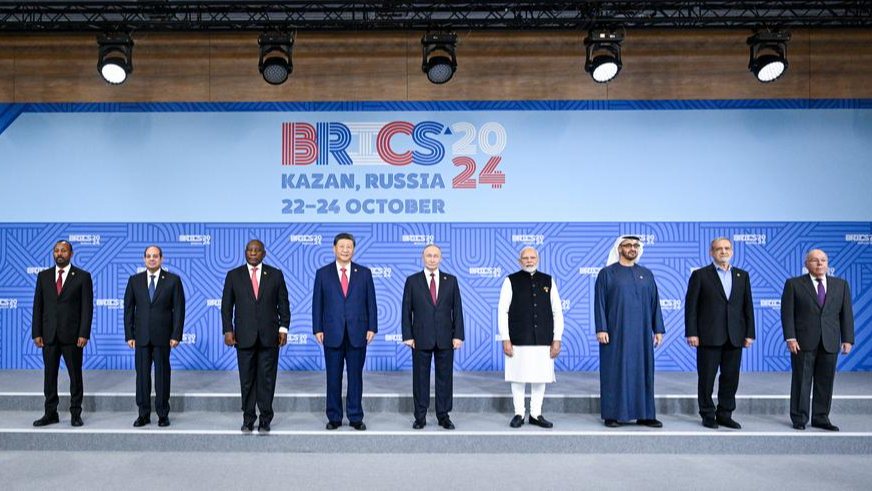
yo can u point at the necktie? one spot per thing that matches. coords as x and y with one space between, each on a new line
822 294
151 288
433 288
60 283
254 284
344 281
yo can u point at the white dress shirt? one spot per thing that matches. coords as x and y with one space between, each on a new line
148 275
66 275
435 272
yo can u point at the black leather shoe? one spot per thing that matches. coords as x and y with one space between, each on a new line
141 421
332 425
517 421
541 422
358 425
419 424
264 426
826 426
47 419
612 423
729 423
247 427
650 423
163 422
710 423
76 420
446 423
798 426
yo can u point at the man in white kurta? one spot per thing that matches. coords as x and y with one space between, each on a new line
530 321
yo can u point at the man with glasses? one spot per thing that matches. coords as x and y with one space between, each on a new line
629 326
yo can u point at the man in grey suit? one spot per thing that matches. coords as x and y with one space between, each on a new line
816 316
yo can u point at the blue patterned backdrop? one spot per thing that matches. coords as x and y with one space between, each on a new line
481 254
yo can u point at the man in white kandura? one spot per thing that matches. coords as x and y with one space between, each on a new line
531 325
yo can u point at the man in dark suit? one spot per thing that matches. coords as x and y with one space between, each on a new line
154 317
256 314
816 316
433 328
718 322
344 320
63 306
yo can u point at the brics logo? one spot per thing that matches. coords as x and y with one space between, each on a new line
529 239
8 303
774 304
306 239
196 239
381 272
670 304
109 303
84 239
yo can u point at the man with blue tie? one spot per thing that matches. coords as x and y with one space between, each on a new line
345 321
433 328
154 317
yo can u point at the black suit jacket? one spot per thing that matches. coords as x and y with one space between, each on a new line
66 317
713 317
255 319
154 322
432 326
802 319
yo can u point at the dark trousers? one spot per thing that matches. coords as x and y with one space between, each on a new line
258 366
709 359
160 357
444 381
819 367
51 357
336 360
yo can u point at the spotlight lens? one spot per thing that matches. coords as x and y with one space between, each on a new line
770 68
605 68
276 71
113 71
440 69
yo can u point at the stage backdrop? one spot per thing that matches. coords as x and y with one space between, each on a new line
482 179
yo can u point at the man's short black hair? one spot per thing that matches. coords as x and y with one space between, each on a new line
65 242
159 250
346 236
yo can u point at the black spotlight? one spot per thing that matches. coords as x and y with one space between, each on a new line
115 57
603 54
276 51
768 55
440 56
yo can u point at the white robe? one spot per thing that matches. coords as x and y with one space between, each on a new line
529 364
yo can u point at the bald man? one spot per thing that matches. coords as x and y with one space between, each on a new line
817 319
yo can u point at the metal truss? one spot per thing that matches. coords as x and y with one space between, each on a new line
168 15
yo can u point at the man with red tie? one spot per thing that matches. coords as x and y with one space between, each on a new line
63 306
345 321
255 313
433 328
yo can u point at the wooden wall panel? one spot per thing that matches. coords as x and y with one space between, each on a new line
841 63
703 65
339 66
7 69
507 66
386 66
64 68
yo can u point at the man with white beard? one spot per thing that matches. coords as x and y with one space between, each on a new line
531 325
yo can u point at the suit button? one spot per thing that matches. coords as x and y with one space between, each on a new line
534 305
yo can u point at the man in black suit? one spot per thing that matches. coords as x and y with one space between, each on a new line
816 316
718 322
433 328
256 314
154 317
63 306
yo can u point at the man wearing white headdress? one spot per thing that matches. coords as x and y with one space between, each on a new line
530 319
629 325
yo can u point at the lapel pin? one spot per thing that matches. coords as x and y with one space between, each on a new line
444 277
355 270
72 273
545 288
641 277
